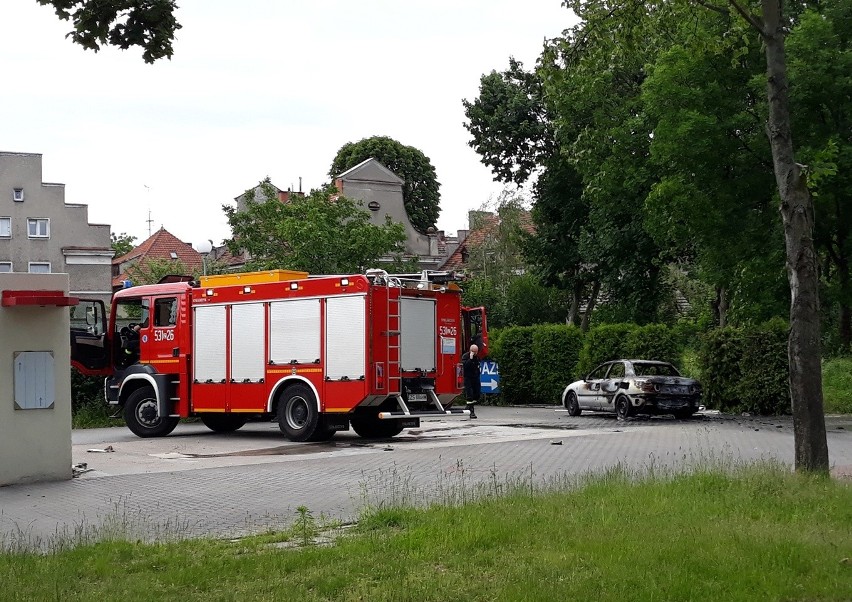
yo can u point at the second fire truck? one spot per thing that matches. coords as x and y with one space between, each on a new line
372 351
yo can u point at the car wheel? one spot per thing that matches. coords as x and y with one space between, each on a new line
223 423
623 407
298 417
140 415
572 405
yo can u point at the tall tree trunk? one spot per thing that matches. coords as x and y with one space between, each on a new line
590 306
845 311
722 305
811 448
576 293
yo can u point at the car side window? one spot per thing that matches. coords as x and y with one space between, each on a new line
598 373
617 371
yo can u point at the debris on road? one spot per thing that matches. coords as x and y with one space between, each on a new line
105 450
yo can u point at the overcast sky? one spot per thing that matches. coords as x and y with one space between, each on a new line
256 88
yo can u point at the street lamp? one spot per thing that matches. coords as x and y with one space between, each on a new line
204 249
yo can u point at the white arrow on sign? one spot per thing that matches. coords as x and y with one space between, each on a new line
490 384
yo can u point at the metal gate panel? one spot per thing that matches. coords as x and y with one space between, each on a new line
247 344
345 337
208 353
294 331
417 336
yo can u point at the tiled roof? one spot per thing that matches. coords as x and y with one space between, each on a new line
159 245
478 236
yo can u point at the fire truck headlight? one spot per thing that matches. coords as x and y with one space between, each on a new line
246 290
344 282
209 292
294 286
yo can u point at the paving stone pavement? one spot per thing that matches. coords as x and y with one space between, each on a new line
255 482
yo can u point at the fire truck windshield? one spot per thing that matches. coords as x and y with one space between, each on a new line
131 311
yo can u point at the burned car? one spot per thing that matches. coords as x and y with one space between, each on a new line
629 387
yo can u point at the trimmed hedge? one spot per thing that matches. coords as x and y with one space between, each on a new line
653 342
514 354
603 343
745 369
556 351
765 386
741 369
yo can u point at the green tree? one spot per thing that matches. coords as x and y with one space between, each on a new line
820 61
420 188
322 233
713 201
122 243
149 24
151 271
592 78
509 124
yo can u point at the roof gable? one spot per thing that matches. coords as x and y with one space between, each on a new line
371 170
162 245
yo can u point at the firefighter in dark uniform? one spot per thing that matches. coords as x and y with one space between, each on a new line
472 386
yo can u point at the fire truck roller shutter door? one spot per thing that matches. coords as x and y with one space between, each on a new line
345 336
294 331
417 338
247 354
208 353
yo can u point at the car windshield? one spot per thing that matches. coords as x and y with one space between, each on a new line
654 369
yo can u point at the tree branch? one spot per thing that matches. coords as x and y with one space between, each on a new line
750 18
719 9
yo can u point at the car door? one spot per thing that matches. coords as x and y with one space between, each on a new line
589 395
610 386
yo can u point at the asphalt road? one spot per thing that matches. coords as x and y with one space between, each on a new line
195 482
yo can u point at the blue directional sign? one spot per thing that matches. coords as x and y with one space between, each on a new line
489 377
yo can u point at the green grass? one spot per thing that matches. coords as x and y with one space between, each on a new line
761 534
837 385
95 414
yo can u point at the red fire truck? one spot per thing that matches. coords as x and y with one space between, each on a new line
319 353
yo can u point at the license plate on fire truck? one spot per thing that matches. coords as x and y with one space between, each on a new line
417 397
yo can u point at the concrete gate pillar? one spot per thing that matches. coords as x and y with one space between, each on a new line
35 378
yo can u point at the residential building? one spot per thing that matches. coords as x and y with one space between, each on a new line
484 231
41 233
380 190
162 245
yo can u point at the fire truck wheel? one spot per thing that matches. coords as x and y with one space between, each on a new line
298 417
223 423
140 414
374 428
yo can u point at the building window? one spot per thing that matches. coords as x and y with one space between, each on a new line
38 228
39 267
5 227
18 194
5 266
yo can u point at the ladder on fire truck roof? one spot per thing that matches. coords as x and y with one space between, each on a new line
423 279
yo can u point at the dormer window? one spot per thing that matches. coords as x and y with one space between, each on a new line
18 195
173 255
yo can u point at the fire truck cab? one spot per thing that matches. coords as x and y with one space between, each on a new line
372 351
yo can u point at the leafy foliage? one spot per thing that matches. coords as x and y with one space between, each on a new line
746 370
515 358
420 188
508 123
556 351
151 271
122 243
149 24
653 342
322 233
602 344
